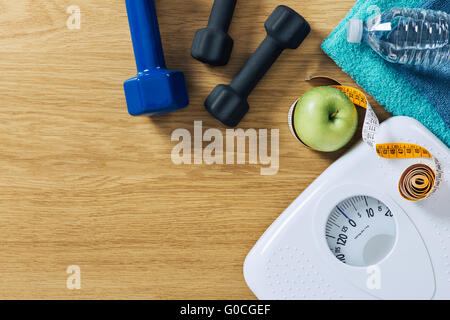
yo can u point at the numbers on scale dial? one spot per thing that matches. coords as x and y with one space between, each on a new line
360 231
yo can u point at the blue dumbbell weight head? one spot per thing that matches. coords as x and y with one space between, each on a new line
155 90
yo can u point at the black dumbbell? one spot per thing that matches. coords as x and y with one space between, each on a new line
285 29
212 44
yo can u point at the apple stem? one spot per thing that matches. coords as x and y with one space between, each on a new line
334 114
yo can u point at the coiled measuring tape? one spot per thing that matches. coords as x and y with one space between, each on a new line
420 180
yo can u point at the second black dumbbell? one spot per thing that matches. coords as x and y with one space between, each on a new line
213 45
285 29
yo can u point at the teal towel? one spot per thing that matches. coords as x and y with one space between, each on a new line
381 79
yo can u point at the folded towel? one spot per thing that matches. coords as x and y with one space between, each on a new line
417 92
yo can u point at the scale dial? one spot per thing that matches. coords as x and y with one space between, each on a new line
360 231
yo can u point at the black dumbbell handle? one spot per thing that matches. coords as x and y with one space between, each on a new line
221 14
256 67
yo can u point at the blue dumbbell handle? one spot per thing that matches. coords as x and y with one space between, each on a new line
145 34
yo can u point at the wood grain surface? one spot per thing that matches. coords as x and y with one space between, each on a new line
83 183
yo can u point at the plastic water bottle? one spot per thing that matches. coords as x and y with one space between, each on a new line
406 36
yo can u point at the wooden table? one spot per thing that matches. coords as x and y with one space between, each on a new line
83 183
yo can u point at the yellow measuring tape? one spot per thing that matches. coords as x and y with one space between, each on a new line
385 150
418 181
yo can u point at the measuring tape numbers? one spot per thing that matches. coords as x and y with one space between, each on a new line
420 180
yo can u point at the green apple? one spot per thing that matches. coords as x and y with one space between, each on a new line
325 119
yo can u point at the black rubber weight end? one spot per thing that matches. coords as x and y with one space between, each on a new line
288 27
212 46
226 105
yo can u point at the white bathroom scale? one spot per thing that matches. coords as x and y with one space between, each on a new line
351 235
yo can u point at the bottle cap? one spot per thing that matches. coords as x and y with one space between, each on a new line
354 31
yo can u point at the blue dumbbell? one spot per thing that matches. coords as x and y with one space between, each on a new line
155 90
